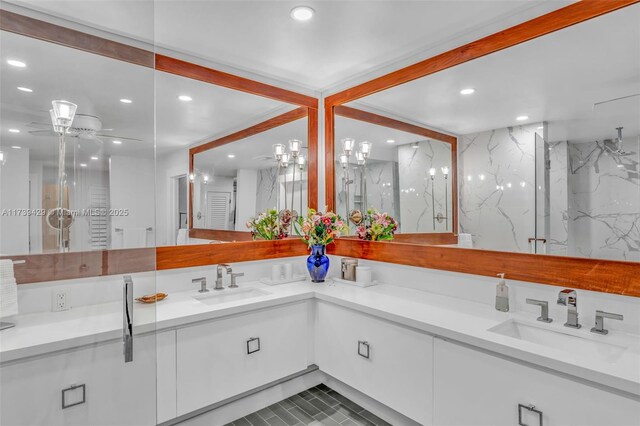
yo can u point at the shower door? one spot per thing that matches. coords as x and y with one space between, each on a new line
76 253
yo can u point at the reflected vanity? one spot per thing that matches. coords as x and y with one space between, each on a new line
548 144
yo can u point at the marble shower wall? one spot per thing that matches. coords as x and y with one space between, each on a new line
496 181
266 197
416 212
266 192
604 201
558 199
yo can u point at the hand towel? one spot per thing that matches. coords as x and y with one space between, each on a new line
465 240
134 237
8 289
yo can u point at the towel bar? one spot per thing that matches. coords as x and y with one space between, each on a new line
120 229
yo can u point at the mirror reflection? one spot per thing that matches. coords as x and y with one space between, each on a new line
234 182
75 135
549 139
392 171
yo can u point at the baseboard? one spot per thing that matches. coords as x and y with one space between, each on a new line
251 401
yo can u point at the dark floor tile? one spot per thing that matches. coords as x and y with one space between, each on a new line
359 420
265 413
284 415
256 420
323 387
319 405
286 403
373 418
345 401
276 421
325 420
241 422
301 415
348 422
324 397
305 395
304 404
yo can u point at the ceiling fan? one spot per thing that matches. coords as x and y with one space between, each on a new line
86 127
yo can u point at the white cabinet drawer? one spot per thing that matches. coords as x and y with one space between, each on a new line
213 362
476 388
116 393
398 372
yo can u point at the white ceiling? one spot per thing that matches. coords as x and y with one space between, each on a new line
345 39
254 152
556 78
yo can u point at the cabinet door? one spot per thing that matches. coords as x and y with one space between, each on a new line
475 388
214 362
398 371
116 393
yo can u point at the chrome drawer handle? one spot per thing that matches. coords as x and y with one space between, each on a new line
253 345
82 387
531 408
364 350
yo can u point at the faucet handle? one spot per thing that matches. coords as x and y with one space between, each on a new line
233 279
600 316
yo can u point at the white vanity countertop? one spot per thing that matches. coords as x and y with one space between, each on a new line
460 320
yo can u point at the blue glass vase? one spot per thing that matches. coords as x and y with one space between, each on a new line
318 264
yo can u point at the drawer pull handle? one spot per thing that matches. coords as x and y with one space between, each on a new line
253 345
531 408
69 392
364 350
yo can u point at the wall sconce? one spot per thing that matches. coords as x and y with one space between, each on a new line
347 145
3 158
365 149
191 177
62 115
278 150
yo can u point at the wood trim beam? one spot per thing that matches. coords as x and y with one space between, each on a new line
329 157
41 30
312 160
606 276
562 18
263 126
172 257
381 120
220 235
220 78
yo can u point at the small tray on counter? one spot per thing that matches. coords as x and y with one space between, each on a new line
354 283
152 298
294 279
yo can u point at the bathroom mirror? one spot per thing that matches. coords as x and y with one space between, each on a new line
233 182
549 145
104 128
394 167
215 158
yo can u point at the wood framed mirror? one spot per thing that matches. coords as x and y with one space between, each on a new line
513 122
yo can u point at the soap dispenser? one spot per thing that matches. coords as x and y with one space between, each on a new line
502 295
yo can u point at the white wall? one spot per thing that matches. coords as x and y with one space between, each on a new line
14 194
132 187
169 166
246 197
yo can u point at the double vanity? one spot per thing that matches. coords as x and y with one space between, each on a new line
418 353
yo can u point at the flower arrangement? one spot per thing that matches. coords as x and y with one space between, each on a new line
321 228
270 225
377 226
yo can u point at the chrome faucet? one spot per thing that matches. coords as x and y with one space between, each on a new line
203 284
600 316
544 309
234 276
569 298
219 275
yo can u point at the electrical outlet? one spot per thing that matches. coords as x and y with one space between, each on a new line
59 300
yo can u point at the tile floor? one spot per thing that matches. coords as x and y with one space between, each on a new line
318 406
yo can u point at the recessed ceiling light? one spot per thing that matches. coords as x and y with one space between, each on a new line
185 98
391 141
620 166
14 131
540 127
522 117
117 142
126 101
24 89
15 63
302 13
231 156
83 164
415 145
468 91
16 147
94 158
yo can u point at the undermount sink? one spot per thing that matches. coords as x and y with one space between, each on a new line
229 295
558 339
